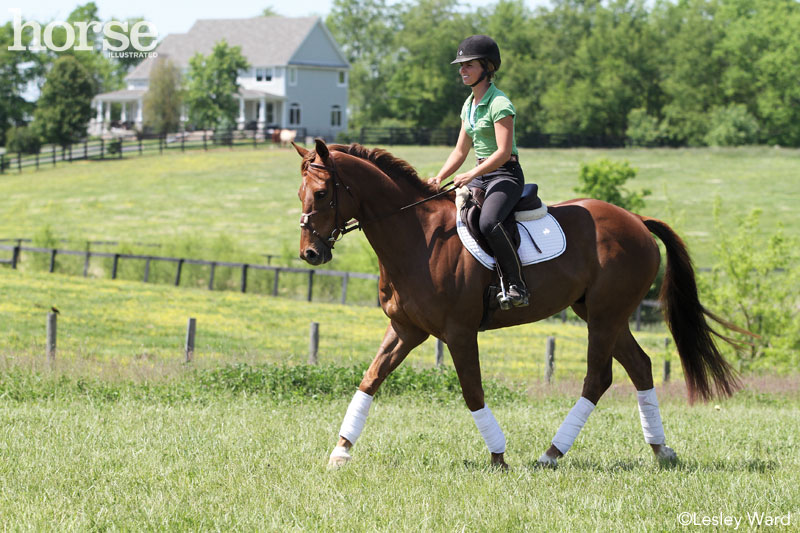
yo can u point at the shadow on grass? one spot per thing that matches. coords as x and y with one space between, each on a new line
679 465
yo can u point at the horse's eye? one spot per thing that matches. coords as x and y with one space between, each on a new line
319 195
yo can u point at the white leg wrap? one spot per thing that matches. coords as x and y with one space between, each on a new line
490 430
650 416
356 416
572 425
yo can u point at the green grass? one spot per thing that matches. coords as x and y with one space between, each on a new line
250 463
123 328
250 196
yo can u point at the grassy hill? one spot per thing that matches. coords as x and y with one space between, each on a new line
234 202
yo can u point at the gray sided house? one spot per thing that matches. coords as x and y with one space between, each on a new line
297 78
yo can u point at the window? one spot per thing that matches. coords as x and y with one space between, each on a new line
268 74
270 114
292 76
294 114
336 116
259 74
342 78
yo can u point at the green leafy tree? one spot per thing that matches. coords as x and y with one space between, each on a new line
65 105
604 180
212 85
17 69
754 283
164 98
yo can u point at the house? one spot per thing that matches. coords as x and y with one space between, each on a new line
297 78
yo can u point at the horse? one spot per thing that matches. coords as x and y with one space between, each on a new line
610 262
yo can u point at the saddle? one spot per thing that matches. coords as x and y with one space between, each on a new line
470 200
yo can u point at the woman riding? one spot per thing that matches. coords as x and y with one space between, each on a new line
487 122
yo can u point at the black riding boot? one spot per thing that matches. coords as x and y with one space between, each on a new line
510 269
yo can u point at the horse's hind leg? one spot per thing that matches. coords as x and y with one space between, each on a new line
637 364
398 341
598 379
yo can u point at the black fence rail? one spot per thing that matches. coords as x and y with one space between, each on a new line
120 147
449 136
179 264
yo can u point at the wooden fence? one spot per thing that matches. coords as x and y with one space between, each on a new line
119 147
179 263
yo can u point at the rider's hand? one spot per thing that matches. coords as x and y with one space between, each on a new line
462 179
435 181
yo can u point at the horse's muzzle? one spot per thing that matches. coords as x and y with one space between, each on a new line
313 256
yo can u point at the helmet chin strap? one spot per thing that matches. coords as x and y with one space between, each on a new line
483 77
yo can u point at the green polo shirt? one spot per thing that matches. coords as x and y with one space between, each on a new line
494 106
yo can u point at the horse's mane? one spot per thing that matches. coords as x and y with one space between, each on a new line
392 166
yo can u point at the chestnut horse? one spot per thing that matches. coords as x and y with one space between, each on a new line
431 285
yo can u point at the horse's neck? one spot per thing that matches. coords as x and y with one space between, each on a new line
401 239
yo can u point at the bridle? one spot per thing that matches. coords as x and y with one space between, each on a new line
340 231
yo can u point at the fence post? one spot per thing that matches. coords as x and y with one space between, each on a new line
191 328
667 368
178 273
102 148
313 345
51 337
3 163
211 277
86 262
183 140
205 146
550 359
70 152
160 148
275 282
19 161
146 270
114 266
310 284
140 145
53 260
563 315
439 352
244 277
86 148
15 257
120 147
345 281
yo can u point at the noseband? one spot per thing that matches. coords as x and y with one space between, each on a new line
339 230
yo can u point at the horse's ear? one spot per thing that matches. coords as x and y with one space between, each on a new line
300 150
322 149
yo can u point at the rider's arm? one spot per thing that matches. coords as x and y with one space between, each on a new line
456 158
504 135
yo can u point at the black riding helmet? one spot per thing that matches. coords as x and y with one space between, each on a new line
481 47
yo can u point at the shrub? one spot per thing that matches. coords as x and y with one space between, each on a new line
732 126
643 129
23 139
604 179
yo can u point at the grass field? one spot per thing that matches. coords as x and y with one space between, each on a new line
246 463
120 434
248 198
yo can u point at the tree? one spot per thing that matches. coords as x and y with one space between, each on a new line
164 98
65 105
17 69
212 85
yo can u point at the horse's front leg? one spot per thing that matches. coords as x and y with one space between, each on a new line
463 348
398 341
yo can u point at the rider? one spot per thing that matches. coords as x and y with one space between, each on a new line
487 122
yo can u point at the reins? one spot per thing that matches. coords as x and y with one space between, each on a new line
340 231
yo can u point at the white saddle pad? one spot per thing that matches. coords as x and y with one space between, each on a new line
546 231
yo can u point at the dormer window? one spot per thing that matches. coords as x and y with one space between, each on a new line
264 74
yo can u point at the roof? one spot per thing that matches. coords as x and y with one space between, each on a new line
265 41
124 95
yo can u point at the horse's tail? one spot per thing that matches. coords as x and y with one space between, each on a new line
686 318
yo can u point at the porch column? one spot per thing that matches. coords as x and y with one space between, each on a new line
183 117
108 113
139 113
99 111
240 120
262 113
124 116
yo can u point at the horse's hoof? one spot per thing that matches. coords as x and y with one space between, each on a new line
545 461
666 454
339 458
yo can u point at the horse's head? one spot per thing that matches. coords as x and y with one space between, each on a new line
327 204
